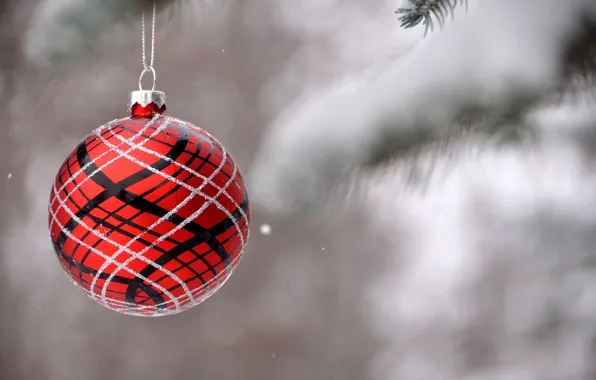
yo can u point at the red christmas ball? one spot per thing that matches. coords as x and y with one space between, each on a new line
149 214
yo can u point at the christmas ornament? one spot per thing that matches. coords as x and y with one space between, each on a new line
149 214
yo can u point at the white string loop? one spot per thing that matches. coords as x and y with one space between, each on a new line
148 67
147 70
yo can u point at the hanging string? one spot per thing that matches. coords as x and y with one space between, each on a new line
148 67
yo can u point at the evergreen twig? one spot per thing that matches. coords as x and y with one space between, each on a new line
424 11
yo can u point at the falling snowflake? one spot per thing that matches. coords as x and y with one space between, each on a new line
265 229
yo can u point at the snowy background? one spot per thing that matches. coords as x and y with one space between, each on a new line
484 269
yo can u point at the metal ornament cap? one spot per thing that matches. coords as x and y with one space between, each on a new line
145 104
146 97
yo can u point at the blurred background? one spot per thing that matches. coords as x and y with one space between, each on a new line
472 260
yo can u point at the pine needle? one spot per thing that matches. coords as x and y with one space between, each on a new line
424 11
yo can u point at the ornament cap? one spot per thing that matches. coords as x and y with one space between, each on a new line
146 97
145 104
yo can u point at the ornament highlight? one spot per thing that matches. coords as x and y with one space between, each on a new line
149 214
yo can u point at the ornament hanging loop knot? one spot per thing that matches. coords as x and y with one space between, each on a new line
147 70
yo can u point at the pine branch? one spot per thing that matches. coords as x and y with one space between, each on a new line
424 11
